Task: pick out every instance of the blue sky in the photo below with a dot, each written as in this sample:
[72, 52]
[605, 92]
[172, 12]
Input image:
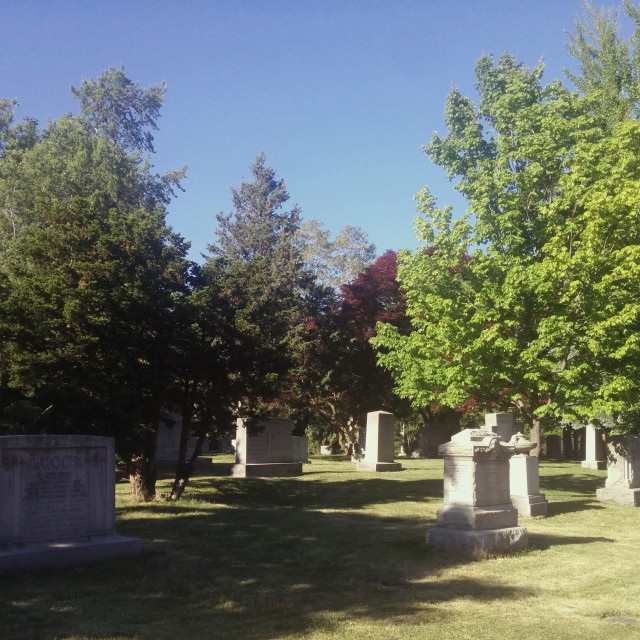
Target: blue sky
[340, 95]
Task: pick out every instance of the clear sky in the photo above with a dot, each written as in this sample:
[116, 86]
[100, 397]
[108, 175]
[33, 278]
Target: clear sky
[339, 94]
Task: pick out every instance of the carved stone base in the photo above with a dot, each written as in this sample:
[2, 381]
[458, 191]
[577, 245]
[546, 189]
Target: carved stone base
[468, 517]
[267, 470]
[363, 465]
[533, 506]
[56, 555]
[629, 497]
[478, 543]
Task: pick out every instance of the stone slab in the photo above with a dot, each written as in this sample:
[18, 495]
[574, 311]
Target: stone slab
[478, 542]
[621, 495]
[379, 437]
[599, 465]
[467, 517]
[532, 506]
[56, 555]
[267, 470]
[365, 465]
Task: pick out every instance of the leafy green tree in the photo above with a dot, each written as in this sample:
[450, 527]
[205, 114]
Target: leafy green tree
[89, 271]
[336, 262]
[473, 309]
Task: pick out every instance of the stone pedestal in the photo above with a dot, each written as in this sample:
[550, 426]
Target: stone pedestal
[623, 465]
[379, 455]
[594, 449]
[266, 453]
[57, 502]
[477, 516]
[524, 481]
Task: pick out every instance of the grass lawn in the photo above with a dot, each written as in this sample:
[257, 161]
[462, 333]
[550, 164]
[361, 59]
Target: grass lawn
[341, 554]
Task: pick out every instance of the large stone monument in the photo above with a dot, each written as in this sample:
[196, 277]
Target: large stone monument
[524, 473]
[623, 465]
[57, 502]
[266, 453]
[379, 454]
[595, 456]
[477, 516]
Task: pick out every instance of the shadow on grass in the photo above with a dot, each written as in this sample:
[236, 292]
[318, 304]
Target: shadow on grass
[545, 541]
[579, 484]
[555, 508]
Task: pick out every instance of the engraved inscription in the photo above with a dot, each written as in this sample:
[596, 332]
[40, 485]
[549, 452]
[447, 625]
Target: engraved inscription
[54, 495]
[459, 481]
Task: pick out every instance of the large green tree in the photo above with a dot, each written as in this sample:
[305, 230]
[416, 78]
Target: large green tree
[89, 272]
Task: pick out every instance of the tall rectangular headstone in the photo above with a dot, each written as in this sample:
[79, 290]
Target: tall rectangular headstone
[57, 502]
[379, 448]
[594, 449]
[623, 471]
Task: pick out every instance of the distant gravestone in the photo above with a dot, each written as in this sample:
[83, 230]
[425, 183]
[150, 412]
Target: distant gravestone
[502, 424]
[168, 440]
[266, 453]
[379, 451]
[57, 502]
[553, 447]
[477, 515]
[623, 466]
[594, 449]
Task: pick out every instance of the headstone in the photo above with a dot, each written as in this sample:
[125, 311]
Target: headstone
[57, 502]
[524, 480]
[594, 449]
[168, 440]
[379, 453]
[502, 424]
[623, 466]
[477, 516]
[524, 477]
[268, 453]
[553, 447]
[300, 449]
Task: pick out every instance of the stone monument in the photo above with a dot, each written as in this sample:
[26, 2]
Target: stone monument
[477, 516]
[594, 449]
[57, 502]
[524, 474]
[266, 453]
[623, 466]
[379, 454]
[524, 480]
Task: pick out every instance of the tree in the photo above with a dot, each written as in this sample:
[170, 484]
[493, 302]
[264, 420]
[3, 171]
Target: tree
[89, 274]
[265, 282]
[473, 311]
[336, 262]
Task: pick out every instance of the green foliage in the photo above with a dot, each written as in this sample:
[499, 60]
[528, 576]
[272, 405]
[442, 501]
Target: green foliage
[338, 262]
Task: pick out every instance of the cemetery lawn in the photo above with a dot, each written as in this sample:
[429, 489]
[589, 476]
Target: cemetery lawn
[338, 553]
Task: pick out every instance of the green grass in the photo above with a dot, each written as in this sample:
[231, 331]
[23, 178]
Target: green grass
[340, 554]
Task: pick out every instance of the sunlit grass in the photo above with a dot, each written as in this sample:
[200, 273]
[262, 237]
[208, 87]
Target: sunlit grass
[338, 553]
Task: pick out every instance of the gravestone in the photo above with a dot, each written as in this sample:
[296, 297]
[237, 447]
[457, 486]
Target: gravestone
[524, 475]
[266, 453]
[300, 449]
[168, 440]
[57, 502]
[524, 480]
[477, 515]
[502, 424]
[595, 456]
[623, 466]
[379, 453]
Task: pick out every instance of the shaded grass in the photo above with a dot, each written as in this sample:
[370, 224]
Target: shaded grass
[337, 553]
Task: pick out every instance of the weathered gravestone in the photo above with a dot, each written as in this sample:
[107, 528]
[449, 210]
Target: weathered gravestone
[266, 453]
[594, 449]
[57, 502]
[623, 466]
[477, 515]
[524, 474]
[379, 454]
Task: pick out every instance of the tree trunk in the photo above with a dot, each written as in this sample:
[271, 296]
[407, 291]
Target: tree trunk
[142, 476]
[567, 443]
[184, 471]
